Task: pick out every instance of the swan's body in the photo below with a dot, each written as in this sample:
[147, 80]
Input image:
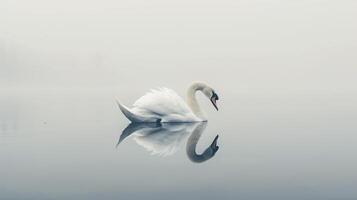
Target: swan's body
[164, 105]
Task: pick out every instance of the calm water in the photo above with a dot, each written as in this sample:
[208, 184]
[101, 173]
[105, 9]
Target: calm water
[64, 145]
[285, 73]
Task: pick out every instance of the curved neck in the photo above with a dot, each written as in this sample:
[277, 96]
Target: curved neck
[192, 101]
[192, 143]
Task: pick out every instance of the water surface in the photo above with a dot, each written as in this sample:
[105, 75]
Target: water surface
[64, 145]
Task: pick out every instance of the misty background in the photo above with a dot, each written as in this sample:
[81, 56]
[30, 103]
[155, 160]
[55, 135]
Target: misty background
[284, 71]
[256, 46]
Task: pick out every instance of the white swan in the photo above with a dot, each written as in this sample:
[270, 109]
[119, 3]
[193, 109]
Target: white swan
[164, 105]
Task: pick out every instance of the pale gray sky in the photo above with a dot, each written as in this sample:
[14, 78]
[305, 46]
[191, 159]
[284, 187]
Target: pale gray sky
[255, 44]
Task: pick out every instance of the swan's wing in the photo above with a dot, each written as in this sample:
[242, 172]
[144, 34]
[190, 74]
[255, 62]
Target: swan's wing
[134, 115]
[162, 102]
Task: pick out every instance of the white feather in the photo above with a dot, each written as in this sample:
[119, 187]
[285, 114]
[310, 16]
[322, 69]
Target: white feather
[164, 105]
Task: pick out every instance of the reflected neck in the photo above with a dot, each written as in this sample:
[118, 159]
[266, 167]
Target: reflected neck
[192, 143]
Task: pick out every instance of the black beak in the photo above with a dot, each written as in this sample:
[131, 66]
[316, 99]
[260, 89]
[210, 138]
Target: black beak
[214, 103]
[214, 98]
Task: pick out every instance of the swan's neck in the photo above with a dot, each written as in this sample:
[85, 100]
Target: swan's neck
[192, 101]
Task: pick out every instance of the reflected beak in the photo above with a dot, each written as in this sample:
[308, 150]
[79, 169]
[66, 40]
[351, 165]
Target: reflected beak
[213, 100]
[214, 145]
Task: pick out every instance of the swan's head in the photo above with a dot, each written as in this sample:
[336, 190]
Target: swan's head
[212, 95]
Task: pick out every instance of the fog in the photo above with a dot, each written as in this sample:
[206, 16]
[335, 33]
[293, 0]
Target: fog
[263, 46]
[285, 73]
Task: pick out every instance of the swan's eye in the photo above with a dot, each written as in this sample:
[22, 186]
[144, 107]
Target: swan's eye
[214, 96]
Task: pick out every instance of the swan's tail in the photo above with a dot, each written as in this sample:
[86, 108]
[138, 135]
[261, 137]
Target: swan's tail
[128, 113]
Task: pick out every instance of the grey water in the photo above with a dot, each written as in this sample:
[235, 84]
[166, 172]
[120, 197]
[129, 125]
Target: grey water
[64, 145]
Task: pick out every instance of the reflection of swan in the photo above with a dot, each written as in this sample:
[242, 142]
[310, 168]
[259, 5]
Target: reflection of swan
[160, 139]
[192, 142]
[164, 105]
[165, 139]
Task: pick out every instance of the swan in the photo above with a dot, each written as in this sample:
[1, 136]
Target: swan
[165, 105]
